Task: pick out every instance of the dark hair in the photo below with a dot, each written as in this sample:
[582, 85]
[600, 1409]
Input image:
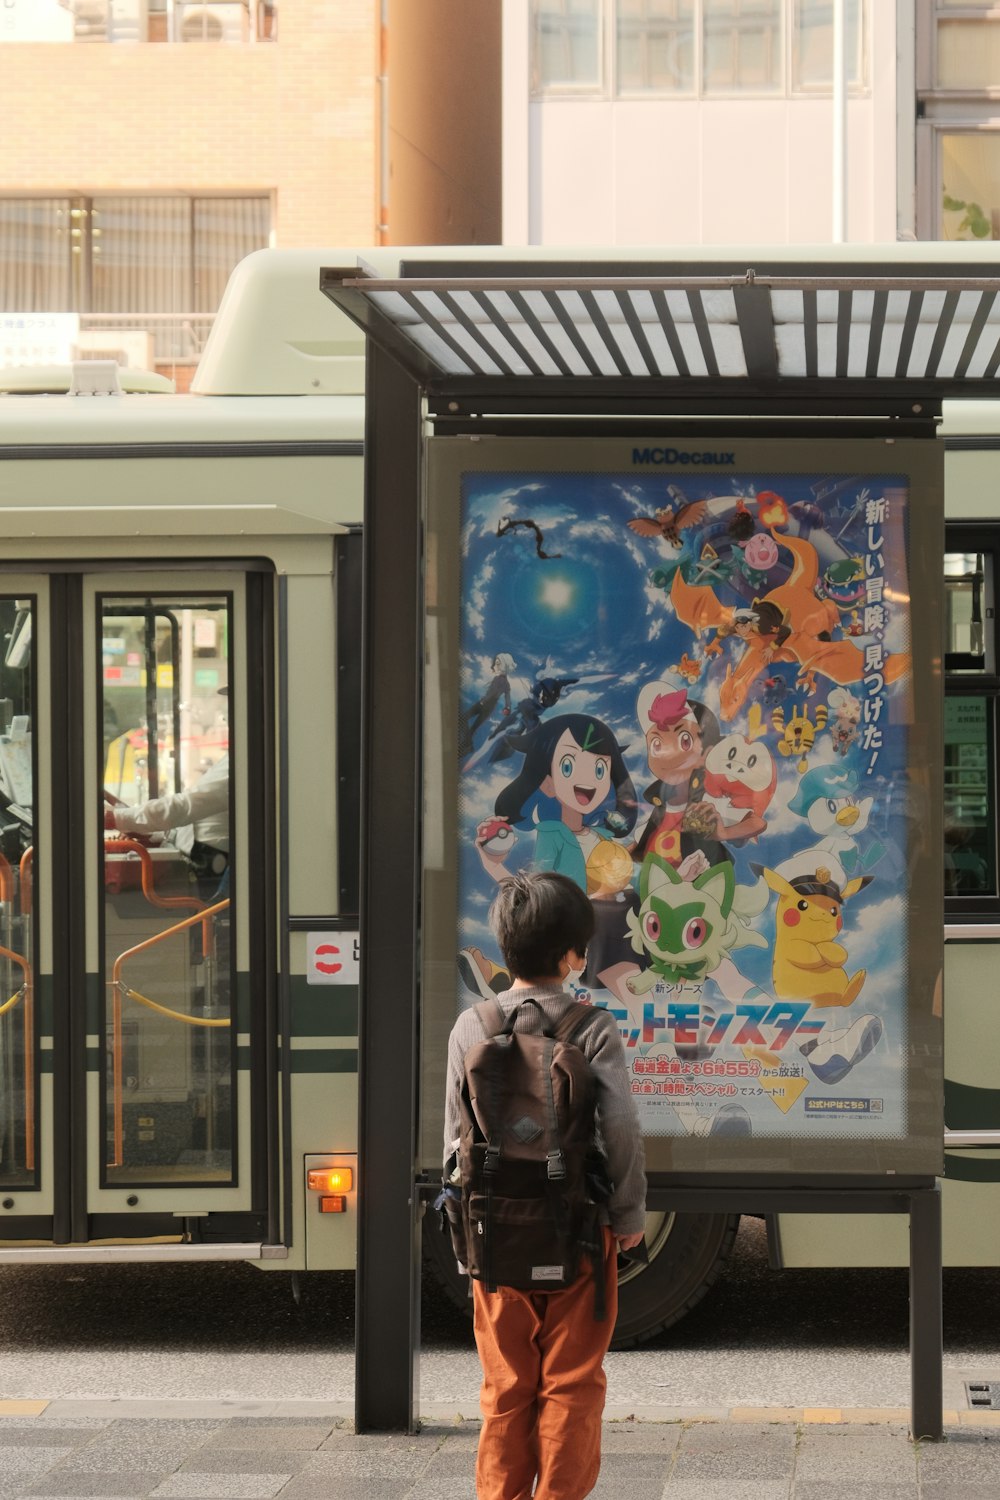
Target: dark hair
[537, 919]
[707, 723]
[539, 747]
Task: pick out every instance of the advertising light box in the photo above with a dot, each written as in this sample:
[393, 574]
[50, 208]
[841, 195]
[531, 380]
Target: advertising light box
[700, 677]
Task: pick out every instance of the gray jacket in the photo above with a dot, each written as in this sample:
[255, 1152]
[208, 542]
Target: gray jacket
[617, 1117]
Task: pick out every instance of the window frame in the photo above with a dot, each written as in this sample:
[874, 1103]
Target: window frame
[607, 87]
[984, 537]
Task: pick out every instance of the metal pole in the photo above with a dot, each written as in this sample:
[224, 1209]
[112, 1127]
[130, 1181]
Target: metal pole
[839, 126]
[926, 1315]
[388, 1303]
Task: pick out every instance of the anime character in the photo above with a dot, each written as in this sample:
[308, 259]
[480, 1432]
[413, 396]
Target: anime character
[797, 732]
[846, 712]
[507, 523]
[844, 583]
[575, 761]
[740, 779]
[828, 799]
[543, 694]
[804, 634]
[502, 664]
[679, 732]
[687, 928]
[668, 522]
[808, 962]
[689, 667]
[756, 557]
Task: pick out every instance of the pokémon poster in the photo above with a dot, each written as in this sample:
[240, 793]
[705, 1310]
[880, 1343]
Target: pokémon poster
[691, 695]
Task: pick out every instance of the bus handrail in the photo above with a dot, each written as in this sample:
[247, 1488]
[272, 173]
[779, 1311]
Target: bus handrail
[6, 880]
[114, 845]
[206, 916]
[27, 993]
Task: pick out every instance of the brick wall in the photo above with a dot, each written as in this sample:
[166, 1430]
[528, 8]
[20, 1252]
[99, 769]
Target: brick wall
[295, 118]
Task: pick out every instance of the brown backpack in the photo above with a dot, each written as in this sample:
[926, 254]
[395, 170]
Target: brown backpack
[522, 1200]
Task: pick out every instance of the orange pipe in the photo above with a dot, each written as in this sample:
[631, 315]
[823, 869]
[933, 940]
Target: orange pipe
[152, 895]
[206, 917]
[29, 1055]
[6, 880]
[25, 866]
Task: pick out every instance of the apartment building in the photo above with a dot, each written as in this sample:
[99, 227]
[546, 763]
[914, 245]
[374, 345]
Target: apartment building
[151, 144]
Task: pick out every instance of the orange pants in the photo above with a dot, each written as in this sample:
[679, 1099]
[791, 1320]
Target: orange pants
[543, 1386]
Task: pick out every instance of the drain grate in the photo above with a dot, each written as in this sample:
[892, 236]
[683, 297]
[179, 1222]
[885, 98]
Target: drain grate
[984, 1395]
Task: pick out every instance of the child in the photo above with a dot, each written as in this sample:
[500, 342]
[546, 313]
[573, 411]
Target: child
[542, 1352]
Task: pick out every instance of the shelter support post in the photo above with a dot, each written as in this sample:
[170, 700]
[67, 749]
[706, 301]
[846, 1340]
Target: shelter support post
[388, 1300]
[926, 1315]
[920, 1198]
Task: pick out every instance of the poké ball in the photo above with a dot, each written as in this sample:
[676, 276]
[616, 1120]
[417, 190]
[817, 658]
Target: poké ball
[499, 837]
[609, 868]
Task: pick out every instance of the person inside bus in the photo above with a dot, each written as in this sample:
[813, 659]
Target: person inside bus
[196, 819]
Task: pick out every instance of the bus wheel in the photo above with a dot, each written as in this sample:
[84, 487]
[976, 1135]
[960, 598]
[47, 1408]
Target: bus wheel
[686, 1255]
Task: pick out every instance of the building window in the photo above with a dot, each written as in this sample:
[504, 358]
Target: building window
[692, 48]
[232, 21]
[969, 206]
[966, 45]
[131, 262]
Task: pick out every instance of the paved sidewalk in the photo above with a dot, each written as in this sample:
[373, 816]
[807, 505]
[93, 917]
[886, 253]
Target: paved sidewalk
[187, 1450]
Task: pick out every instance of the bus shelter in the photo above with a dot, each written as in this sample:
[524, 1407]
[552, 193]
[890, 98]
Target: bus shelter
[653, 595]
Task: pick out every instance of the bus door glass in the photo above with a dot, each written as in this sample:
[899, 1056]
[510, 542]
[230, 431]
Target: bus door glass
[19, 1052]
[168, 906]
[969, 729]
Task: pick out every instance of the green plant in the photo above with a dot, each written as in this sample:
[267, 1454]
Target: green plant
[975, 221]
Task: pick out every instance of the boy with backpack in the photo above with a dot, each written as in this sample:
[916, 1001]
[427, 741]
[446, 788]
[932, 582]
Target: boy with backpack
[544, 1184]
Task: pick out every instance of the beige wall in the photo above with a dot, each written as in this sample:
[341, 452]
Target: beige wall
[295, 118]
[444, 122]
[718, 172]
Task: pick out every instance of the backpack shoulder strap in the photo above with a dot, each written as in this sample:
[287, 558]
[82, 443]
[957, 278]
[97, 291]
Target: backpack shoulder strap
[572, 1020]
[491, 1017]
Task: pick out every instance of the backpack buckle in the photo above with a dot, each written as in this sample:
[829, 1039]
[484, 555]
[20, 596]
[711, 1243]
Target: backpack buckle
[555, 1165]
[491, 1161]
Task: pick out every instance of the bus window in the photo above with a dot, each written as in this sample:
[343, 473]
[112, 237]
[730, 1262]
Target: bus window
[167, 912]
[972, 884]
[968, 578]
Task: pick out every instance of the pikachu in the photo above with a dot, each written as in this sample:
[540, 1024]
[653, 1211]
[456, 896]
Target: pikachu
[808, 961]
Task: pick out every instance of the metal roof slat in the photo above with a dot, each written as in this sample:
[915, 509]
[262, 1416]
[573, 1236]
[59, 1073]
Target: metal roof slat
[603, 329]
[539, 330]
[700, 320]
[638, 332]
[876, 329]
[845, 302]
[910, 322]
[573, 334]
[670, 330]
[945, 321]
[756, 320]
[810, 319]
[982, 313]
[426, 317]
[472, 329]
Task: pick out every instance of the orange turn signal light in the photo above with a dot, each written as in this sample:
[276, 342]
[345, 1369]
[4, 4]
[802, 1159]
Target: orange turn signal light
[336, 1204]
[330, 1180]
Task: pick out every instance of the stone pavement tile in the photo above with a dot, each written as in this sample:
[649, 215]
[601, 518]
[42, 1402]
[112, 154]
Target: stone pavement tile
[16, 1436]
[460, 1440]
[628, 1469]
[245, 1461]
[871, 1455]
[712, 1450]
[370, 1464]
[969, 1456]
[268, 1435]
[426, 1438]
[220, 1487]
[453, 1488]
[641, 1437]
[20, 1467]
[17, 1408]
[958, 1491]
[850, 1489]
[729, 1489]
[639, 1489]
[322, 1487]
[330, 1423]
[61, 1485]
[139, 1455]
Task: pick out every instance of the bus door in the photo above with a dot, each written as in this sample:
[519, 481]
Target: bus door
[134, 892]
